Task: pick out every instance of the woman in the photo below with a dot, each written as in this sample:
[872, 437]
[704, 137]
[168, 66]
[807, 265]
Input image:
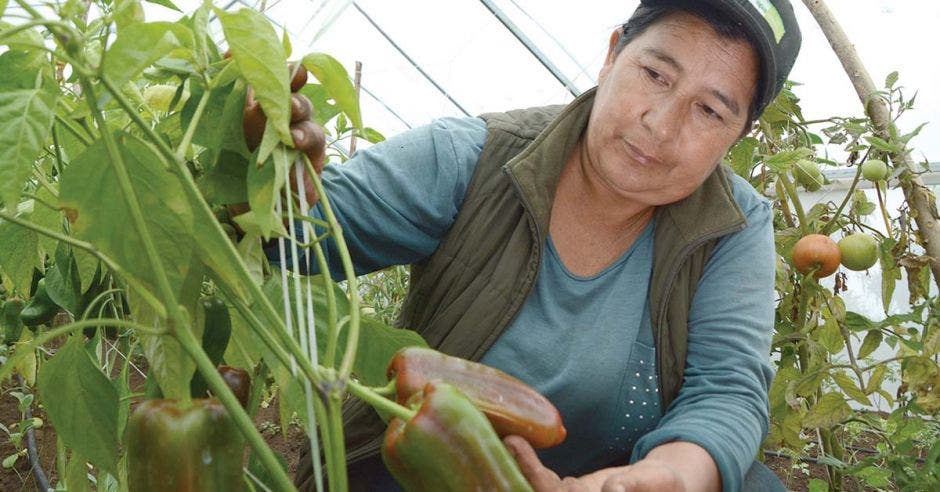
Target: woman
[598, 252]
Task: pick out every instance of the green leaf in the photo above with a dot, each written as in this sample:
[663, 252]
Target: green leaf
[828, 411]
[372, 358]
[323, 109]
[882, 145]
[857, 322]
[98, 210]
[226, 181]
[138, 46]
[165, 3]
[817, 485]
[872, 341]
[850, 387]
[335, 80]
[264, 185]
[27, 117]
[76, 474]
[257, 50]
[169, 363]
[19, 255]
[63, 282]
[741, 156]
[875, 380]
[82, 404]
[220, 127]
[830, 336]
[372, 136]
[127, 12]
[875, 476]
[21, 69]
[890, 273]
[891, 79]
[782, 161]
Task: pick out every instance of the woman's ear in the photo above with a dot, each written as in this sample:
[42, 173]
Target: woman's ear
[611, 53]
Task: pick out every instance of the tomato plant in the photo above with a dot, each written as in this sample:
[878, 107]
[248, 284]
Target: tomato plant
[834, 364]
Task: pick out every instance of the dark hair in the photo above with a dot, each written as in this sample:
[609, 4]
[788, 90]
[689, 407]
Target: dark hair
[724, 26]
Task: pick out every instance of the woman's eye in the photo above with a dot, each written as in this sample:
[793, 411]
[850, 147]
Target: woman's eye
[654, 75]
[711, 113]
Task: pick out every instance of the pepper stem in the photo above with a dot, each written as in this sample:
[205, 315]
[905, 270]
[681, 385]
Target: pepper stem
[373, 398]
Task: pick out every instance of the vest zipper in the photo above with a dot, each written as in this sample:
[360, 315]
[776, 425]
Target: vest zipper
[664, 302]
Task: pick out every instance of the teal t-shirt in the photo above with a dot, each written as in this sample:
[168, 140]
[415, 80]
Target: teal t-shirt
[586, 343]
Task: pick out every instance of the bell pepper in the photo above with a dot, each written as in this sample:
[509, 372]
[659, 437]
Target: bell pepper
[449, 445]
[217, 329]
[40, 309]
[194, 448]
[238, 381]
[512, 406]
[10, 320]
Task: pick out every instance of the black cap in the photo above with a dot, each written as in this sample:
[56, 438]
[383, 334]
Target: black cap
[771, 25]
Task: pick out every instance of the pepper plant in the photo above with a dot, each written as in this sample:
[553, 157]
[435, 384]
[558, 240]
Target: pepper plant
[120, 144]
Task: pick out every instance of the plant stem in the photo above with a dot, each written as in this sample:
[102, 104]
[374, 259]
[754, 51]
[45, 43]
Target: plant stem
[352, 340]
[884, 211]
[374, 399]
[338, 479]
[70, 126]
[191, 129]
[795, 198]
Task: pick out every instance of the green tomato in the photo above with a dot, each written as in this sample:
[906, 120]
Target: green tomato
[875, 170]
[808, 175]
[859, 251]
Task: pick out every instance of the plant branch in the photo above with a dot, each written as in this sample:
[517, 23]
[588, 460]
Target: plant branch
[191, 129]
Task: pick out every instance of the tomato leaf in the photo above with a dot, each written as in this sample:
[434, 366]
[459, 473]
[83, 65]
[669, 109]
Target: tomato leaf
[27, 117]
[828, 411]
[336, 81]
[82, 404]
[850, 387]
[257, 50]
[872, 341]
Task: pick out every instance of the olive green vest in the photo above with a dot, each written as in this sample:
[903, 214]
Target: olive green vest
[463, 296]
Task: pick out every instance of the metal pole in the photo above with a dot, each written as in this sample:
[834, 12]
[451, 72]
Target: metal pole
[504, 19]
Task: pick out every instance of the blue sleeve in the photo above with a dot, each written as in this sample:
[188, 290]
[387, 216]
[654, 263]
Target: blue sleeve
[723, 404]
[397, 199]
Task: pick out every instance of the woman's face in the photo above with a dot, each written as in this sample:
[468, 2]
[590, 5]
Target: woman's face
[668, 107]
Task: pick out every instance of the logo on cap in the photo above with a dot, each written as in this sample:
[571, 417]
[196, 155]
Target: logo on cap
[770, 14]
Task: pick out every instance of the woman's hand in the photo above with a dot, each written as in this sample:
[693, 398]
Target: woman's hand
[646, 475]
